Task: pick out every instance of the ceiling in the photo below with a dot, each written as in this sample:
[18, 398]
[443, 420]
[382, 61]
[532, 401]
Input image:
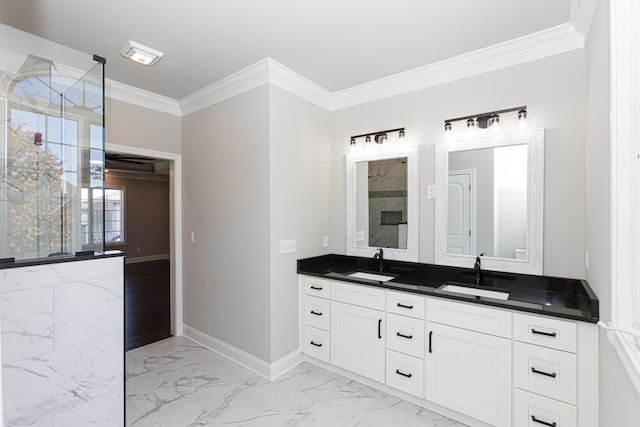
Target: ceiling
[335, 43]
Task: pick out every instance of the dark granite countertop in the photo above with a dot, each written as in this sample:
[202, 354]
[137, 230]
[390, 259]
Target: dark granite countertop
[6, 263]
[551, 296]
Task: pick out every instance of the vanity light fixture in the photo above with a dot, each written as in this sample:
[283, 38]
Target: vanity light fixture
[379, 137]
[141, 54]
[485, 120]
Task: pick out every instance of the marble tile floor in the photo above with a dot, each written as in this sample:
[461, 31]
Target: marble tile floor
[176, 382]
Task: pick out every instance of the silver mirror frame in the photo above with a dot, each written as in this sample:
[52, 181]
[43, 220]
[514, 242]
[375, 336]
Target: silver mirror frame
[413, 183]
[535, 203]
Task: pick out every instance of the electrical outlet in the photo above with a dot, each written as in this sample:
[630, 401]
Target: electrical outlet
[586, 259]
[192, 237]
[431, 191]
[325, 241]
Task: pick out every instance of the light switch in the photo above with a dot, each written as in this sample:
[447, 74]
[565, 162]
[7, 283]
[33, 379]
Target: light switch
[192, 237]
[325, 241]
[431, 191]
[287, 246]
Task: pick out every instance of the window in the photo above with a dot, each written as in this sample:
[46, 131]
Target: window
[624, 330]
[114, 216]
[91, 216]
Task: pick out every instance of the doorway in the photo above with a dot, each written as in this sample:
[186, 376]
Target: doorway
[151, 187]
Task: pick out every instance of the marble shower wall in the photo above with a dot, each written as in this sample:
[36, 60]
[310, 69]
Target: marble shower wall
[63, 344]
[387, 193]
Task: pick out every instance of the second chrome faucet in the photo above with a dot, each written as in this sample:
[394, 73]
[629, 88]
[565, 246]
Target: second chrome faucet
[379, 256]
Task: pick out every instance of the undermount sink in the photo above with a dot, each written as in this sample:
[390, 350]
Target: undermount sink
[474, 291]
[370, 276]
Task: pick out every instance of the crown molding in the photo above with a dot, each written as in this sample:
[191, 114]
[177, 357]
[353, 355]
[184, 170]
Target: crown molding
[552, 41]
[289, 80]
[233, 85]
[580, 16]
[133, 95]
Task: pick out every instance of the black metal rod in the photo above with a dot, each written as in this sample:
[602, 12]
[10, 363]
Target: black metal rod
[379, 329]
[430, 335]
[409, 337]
[399, 372]
[548, 334]
[377, 133]
[410, 307]
[473, 116]
[544, 423]
[546, 374]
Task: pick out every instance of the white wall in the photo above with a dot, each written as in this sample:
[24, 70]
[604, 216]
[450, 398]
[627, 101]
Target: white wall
[226, 204]
[299, 174]
[140, 127]
[553, 90]
[619, 401]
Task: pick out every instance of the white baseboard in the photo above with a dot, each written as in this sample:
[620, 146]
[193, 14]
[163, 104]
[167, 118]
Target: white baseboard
[134, 260]
[241, 357]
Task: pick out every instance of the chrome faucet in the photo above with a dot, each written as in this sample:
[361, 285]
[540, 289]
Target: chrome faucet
[378, 256]
[478, 270]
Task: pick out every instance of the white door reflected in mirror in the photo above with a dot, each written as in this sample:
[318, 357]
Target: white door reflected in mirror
[490, 201]
[487, 202]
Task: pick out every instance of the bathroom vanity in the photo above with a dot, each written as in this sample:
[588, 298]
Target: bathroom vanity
[528, 360]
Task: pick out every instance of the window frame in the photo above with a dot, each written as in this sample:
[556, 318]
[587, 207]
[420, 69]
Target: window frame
[625, 184]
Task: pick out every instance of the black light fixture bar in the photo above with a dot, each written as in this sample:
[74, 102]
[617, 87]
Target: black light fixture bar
[378, 133]
[482, 118]
[379, 137]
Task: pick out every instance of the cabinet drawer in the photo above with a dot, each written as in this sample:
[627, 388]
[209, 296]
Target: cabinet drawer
[470, 316]
[553, 333]
[405, 335]
[317, 343]
[406, 304]
[405, 373]
[317, 287]
[364, 296]
[544, 371]
[531, 410]
[317, 312]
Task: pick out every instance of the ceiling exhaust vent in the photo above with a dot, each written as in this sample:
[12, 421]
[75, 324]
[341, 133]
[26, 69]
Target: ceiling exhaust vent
[141, 54]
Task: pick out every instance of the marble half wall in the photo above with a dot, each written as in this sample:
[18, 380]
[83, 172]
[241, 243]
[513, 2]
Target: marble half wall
[62, 332]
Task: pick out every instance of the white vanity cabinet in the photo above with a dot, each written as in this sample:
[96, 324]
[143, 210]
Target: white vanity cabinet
[472, 362]
[468, 360]
[358, 331]
[316, 312]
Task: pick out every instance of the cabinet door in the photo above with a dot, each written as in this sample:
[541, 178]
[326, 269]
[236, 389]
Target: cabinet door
[358, 340]
[469, 372]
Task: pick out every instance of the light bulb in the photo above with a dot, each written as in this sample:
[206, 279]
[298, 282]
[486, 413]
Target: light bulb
[522, 120]
[472, 128]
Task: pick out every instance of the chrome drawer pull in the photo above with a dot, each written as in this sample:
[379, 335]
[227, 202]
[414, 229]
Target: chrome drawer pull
[410, 307]
[409, 337]
[316, 313]
[547, 374]
[315, 288]
[316, 344]
[544, 423]
[399, 372]
[546, 334]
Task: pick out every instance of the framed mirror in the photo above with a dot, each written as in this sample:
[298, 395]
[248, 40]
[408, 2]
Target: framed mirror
[382, 203]
[489, 202]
